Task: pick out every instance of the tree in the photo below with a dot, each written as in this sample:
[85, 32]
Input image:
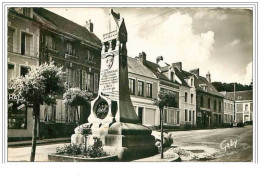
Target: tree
[74, 97]
[166, 98]
[39, 86]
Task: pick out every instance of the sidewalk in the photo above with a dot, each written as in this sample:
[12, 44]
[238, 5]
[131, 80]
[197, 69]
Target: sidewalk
[44, 141]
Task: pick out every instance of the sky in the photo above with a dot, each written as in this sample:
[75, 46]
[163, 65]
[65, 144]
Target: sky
[216, 40]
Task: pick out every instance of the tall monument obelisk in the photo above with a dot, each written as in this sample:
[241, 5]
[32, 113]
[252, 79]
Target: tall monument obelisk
[113, 118]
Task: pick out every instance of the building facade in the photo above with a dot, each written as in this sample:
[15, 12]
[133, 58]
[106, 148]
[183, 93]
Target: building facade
[164, 73]
[37, 36]
[209, 102]
[143, 87]
[23, 53]
[228, 109]
[243, 105]
[77, 49]
[187, 99]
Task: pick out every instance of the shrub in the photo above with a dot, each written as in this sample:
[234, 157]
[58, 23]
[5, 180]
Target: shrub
[79, 150]
[71, 149]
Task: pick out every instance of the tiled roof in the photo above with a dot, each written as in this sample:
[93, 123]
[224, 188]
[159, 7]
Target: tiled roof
[137, 67]
[240, 95]
[54, 21]
[203, 81]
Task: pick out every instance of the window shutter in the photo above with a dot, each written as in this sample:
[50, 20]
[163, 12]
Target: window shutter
[95, 83]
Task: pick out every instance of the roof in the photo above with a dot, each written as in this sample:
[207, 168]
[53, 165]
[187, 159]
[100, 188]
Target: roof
[137, 67]
[157, 70]
[240, 95]
[54, 21]
[203, 81]
[181, 76]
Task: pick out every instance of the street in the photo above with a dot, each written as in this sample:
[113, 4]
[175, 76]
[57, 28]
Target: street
[238, 142]
[232, 144]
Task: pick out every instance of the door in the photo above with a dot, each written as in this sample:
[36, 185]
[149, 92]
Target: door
[140, 114]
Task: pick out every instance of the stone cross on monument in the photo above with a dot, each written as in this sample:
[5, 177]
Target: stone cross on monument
[113, 118]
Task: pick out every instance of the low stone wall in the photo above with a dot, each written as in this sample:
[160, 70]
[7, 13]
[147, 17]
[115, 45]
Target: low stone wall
[63, 158]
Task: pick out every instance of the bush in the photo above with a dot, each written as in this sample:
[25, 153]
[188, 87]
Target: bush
[79, 150]
[71, 149]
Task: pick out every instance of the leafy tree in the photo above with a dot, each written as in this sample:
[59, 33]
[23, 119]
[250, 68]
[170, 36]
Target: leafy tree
[166, 98]
[39, 86]
[229, 87]
[74, 97]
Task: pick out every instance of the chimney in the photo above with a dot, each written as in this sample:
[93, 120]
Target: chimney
[158, 59]
[89, 25]
[196, 72]
[142, 57]
[178, 65]
[208, 77]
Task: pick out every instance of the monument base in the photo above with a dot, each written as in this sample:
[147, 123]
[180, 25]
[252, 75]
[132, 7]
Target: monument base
[127, 141]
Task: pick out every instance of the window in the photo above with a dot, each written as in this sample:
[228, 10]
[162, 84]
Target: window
[24, 71]
[17, 115]
[140, 88]
[172, 76]
[186, 97]
[165, 115]
[219, 106]
[132, 86]
[26, 41]
[201, 101]
[215, 105]
[70, 77]
[77, 78]
[89, 55]
[10, 73]
[89, 83]
[190, 115]
[27, 12]
[209, 103]
[191, 98]
[246, 107]
[70, 49]
[191, 82]
[149, 90]
[10, 39]
[49, 42]
[186, 115]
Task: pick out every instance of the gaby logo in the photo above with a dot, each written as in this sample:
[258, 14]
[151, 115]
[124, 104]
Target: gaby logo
[228, 144]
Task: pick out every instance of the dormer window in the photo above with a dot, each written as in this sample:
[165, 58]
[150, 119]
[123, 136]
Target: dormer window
[27, 12]
[204, 87]
[191, 82]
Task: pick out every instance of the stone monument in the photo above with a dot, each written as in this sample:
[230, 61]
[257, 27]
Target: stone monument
[113, 118]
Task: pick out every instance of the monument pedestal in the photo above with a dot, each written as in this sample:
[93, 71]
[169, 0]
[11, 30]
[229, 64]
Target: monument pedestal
[113, 118]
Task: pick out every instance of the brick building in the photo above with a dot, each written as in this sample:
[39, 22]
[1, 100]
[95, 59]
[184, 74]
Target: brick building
[78, 50]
